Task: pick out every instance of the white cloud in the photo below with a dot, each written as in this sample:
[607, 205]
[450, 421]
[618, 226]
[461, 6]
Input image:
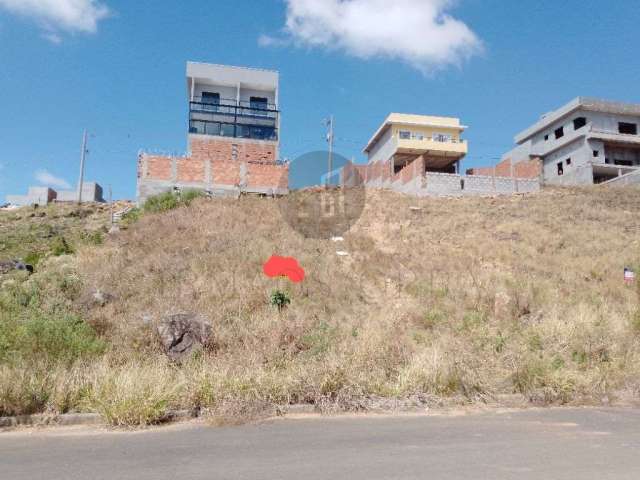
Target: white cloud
[418, 32]
[55, 16]
[269, 41]
[53, 37]
[50, 180]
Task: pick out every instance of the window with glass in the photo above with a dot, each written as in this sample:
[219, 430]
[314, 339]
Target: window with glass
[210, 101]
[442, 137]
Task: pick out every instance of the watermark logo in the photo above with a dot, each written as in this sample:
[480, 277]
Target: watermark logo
[323, 202]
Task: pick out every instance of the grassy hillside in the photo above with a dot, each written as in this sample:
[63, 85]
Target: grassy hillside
[461, 300]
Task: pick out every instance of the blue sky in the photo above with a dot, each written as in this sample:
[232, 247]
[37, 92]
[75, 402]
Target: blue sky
[117, 68]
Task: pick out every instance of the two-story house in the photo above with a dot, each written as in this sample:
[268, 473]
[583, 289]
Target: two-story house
[403, 139]
[233, 136]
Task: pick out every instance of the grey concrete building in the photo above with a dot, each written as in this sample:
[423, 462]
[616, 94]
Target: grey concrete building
[91, 192]
[586, 141]
[34, 196]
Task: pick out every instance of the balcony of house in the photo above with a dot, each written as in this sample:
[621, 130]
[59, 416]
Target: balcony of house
[232, 118]
[435, 145]
[627, 134]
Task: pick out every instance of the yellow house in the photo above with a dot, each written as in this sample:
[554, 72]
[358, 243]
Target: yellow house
[403, 138]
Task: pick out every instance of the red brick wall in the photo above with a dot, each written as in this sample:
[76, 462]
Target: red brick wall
[158, 167]
[226, 157]
[227, 149]
[267, 175]
[529, 169]
[191, 170]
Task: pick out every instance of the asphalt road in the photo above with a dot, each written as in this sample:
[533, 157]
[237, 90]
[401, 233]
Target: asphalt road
[571, 444]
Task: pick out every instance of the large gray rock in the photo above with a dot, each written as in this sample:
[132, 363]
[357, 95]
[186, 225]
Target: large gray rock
[183, 333]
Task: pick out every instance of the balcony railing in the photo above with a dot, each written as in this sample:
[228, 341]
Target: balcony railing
[228, 118]
[434, 138]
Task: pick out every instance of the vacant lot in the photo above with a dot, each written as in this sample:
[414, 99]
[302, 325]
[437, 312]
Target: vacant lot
[455, 301]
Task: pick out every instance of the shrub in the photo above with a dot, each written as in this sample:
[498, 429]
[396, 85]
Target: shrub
[60, 246]
[95, 237]
[131, 216]
[161, 202]
[189, 195]
[280, 299]
[41, 337]
[135, 393]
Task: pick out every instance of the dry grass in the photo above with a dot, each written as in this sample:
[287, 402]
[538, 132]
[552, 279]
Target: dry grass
[465, 299]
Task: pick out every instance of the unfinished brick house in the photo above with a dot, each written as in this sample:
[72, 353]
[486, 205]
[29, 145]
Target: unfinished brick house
[233, 137]
[420, 155]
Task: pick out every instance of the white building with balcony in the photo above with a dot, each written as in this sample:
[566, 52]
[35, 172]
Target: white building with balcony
[233, 102]
[586, 141]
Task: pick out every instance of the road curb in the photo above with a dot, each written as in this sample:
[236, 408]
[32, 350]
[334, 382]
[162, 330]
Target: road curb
[67, 419]
[75, 419]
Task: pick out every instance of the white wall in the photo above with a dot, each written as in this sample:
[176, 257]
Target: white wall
[384, 147]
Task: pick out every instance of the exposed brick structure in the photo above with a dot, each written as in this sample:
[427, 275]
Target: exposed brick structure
[221, 165]
[158, 167]
[219, 149]
[527, 169]
[191, 170]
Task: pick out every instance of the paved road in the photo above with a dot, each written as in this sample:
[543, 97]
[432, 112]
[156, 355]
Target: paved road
[571, 444]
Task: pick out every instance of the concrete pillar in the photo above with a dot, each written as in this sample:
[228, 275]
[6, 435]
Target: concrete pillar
[174, 169]
[243, 175]
[207, 173]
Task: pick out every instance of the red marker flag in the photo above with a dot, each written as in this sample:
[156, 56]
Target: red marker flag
[284, 267]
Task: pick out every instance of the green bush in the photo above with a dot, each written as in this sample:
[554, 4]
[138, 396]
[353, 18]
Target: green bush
[280, 299]
[170, 200]
[95, 237]
[60, 246]
[36, 336]
[131, 216]
[161, 202]
[188, 196]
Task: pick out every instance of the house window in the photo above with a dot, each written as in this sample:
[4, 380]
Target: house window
[404, 135]
[628, 128]
[546, 137]
[596, 153]
[560, 168]
[568, 161]
[258, 103]
[211, 98]
[442, 137]
[559, 132]
[579, 122]
[623, 163]
[210, 101]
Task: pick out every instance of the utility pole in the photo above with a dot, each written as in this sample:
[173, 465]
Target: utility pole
[110, 206]
[330, 138]
[83, 156]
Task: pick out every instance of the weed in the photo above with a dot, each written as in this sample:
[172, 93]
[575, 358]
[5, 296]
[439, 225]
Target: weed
[60, 246]
[280, 299]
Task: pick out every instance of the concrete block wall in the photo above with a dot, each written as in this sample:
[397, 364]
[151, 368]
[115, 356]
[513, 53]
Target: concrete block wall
[442, 184]
[411, 180]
